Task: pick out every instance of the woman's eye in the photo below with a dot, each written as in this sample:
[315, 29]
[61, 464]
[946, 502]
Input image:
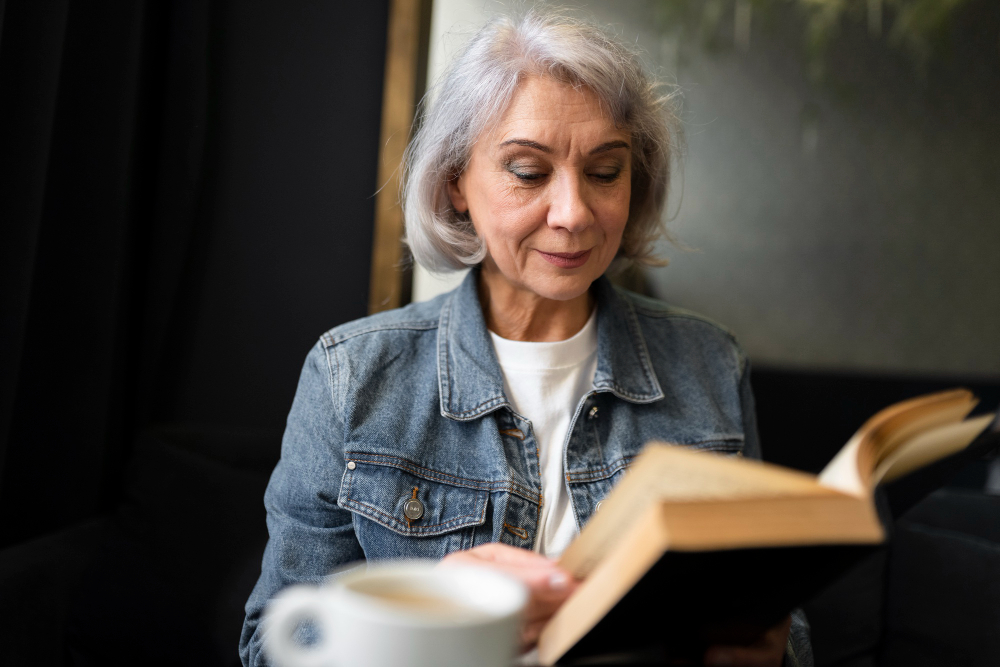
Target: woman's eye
[524, 170]
[527, 174]
[606, 175]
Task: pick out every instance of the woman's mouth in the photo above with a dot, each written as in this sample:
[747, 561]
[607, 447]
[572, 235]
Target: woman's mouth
[566, 260]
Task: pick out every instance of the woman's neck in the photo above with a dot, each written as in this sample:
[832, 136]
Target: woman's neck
[517, 314]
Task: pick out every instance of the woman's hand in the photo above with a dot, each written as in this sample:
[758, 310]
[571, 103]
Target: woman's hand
[548, 584]
[767, 651]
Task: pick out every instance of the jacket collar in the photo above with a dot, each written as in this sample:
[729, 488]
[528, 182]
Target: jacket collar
[470, 381]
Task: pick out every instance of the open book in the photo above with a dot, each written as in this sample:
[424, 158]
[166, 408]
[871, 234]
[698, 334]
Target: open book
[691, 540]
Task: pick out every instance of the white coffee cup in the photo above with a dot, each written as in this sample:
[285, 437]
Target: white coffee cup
[407, 614]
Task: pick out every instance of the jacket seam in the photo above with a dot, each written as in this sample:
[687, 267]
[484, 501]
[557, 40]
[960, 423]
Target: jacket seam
[728, 438]
[392, 519]
[676, 315]
[333, 370]
[615, 389]
[444, 373]
[434, 475]
[606, 470]
[499, 401]
[444, 378]
[592, 474]
[647, 364]
[331, 340]
[670, 312]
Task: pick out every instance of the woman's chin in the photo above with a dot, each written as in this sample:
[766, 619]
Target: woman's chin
[545, 280]
[562, 287]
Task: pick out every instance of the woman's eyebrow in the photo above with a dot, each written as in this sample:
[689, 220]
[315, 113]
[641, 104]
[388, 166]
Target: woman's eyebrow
[603, 148]
[527, 142]
[609, 146]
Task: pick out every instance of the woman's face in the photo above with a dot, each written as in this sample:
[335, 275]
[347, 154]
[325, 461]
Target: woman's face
[548, 190]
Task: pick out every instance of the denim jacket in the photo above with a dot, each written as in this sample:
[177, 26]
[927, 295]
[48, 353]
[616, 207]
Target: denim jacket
[409, 404]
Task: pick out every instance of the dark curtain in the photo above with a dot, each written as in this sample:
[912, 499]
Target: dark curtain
[186, 203]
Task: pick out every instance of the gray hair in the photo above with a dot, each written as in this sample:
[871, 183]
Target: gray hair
[476, 91]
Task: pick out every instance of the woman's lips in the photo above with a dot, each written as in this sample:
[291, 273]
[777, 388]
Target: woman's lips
[566, 260]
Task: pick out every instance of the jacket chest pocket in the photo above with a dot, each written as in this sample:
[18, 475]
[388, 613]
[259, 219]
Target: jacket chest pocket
[400, 514]
[731, 446]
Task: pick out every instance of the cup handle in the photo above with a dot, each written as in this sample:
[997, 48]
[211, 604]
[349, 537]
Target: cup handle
[285, 613]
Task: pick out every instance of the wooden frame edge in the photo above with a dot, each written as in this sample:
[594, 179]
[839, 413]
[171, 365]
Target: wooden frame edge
[405, 63]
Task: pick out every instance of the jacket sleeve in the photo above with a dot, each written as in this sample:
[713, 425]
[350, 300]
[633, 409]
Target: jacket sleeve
[309, 534]
[751, 441]
[798, 653]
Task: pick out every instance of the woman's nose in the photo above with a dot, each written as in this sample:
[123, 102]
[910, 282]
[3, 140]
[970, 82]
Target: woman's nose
[568, 208]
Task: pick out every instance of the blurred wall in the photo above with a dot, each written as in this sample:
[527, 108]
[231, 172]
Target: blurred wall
[845, 226]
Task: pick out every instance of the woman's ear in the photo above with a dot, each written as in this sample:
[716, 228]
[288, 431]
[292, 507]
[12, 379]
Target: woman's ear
[457, 195]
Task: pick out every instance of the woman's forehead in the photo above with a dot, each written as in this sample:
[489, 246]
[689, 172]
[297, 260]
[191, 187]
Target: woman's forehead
[543, 107]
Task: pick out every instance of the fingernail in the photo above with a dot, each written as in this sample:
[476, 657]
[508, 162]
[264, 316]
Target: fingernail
[558, 581]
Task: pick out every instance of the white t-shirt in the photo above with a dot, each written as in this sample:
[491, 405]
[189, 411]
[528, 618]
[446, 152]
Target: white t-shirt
[544, 383]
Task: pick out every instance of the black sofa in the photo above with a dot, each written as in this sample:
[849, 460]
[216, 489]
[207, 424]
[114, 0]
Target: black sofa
[162, 580]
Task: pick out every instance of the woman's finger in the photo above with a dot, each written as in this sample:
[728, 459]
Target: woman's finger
[548, 584]
[544, 578]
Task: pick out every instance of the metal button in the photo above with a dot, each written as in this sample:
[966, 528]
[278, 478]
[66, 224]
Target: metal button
[598, 508]
[593, 413]
[413, 509]
[351, 465]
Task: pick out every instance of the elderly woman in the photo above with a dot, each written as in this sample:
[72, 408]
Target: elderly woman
[489, 423]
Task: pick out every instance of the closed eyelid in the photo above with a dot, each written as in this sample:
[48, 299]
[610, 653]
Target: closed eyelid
[516, 164]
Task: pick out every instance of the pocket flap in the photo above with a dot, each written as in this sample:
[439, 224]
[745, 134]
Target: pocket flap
[380, 491]
[729, 445]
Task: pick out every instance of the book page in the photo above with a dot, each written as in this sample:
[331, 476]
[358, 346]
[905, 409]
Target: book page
[842, 473]
[929, 447]
[672, 473]
[683, 474]
[851, 470]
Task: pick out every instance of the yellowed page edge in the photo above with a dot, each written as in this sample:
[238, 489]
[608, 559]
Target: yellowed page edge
[772, 522]
[632, 556]
[664, 472]
[929, 447]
